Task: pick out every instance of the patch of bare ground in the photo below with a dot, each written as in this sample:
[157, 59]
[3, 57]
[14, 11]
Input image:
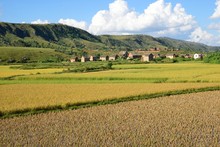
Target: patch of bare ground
[182, 120]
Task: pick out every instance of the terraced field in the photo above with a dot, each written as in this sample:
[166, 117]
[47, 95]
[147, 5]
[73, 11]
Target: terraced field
[183, 120]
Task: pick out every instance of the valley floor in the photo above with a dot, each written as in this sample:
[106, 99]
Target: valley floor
[181, 120]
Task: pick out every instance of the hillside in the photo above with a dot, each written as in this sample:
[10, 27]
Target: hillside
[54, 36]
[33, 55]
[65, 39]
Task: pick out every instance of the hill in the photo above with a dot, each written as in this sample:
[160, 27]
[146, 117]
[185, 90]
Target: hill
[65, 39]
[24, 55]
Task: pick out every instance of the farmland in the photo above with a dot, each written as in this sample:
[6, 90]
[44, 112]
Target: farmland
[148, 73]
[22, 96]
[23, 89]
[183, 120]
[170, 119]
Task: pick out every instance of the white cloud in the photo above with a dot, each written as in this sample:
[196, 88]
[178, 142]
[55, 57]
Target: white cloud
[214, 26]
[74, 23]
[216, 14]
[158, 18]
[39, 21]
[202, 36]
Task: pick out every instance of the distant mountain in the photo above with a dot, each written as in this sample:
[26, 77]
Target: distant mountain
[65, 38]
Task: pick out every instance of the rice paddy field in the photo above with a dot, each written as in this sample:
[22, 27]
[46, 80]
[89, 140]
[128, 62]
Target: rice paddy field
[180, 120]
[41, 88]
[26, 96]
[176, 120]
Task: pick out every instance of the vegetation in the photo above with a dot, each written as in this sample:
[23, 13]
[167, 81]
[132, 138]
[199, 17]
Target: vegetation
[183, 120]
[30, 55]
[65, 39]
[213, 58]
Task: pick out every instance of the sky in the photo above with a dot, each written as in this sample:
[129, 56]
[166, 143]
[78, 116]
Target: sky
[191, 20]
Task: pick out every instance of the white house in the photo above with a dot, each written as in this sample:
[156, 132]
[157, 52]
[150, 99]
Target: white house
[197, 56]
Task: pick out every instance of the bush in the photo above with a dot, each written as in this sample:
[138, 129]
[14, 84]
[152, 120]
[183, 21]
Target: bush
[213, 58]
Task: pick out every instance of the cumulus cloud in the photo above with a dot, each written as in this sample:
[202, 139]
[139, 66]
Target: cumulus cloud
[39, 21]
[202, 36]
[74, 23]
[216, 14]
[158, 18]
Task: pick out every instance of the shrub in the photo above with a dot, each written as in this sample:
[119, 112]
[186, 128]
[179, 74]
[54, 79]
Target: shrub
[213, 58]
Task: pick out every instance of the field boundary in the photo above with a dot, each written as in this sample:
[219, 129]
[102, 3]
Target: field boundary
[74, 106]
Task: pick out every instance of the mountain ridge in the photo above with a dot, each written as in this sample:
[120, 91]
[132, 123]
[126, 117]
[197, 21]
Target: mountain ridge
[64, 38]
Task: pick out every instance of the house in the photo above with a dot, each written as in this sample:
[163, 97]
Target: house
[104, 58]
[171, 56]
[84, 59]
[147, 58]
[198, 56]
[154, 49]
[93, 58]
[188, 56]
[74, 59]
[134, 56]
[123, 54]
[113, 57]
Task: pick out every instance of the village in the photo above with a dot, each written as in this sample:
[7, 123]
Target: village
[143, 56]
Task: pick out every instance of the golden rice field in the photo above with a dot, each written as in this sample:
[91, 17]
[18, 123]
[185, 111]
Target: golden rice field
[179, 73]
[33, 90]
[183, 120]
[21, 96]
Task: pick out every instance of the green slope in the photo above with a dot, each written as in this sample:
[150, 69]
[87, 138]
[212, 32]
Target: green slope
[30, 55]
[65, 38]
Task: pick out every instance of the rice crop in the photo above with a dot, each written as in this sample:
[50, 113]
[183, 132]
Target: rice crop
[148, 73]
[22, 96]
[183, 120]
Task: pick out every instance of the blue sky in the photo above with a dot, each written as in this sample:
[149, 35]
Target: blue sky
[197, 21]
